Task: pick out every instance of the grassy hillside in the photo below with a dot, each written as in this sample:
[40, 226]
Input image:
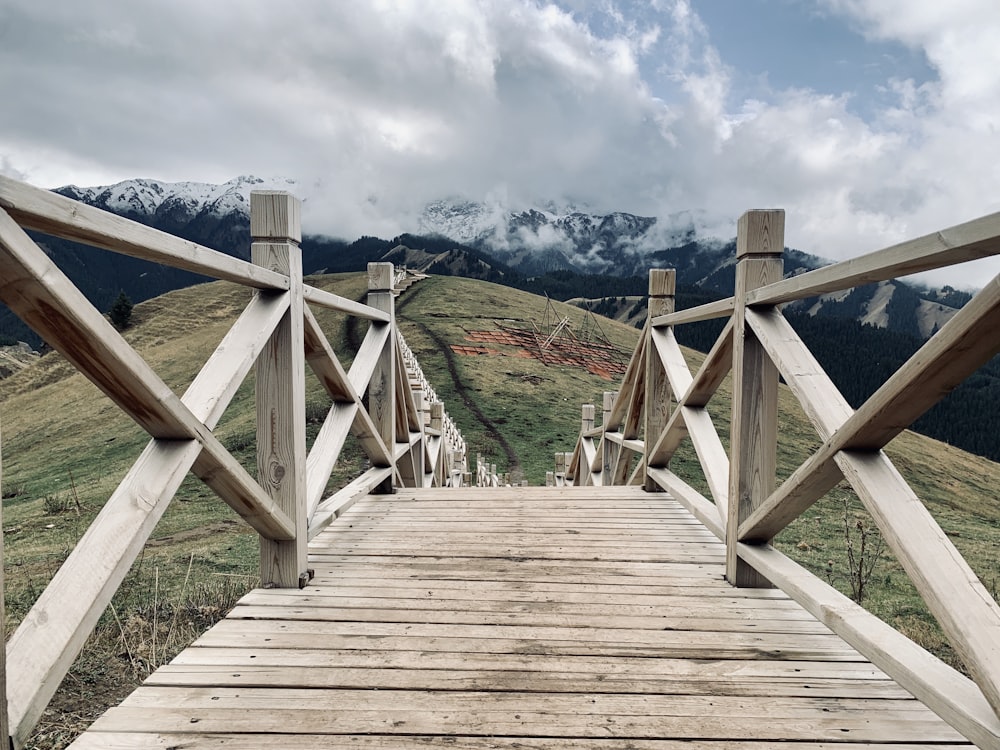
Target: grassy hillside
[65, 447]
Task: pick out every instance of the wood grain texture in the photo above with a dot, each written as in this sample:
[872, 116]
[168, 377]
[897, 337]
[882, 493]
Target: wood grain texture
[720, 309]
[958, 600]
[496, 618]
[657, 398]
[280, 389]
[754, 425]
[380, 362]
[979, 238]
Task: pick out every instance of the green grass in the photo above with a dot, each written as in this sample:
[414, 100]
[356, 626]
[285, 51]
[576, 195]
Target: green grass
[66, 447]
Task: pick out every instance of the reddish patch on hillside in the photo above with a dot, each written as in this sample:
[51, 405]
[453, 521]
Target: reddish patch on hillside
[597, 358]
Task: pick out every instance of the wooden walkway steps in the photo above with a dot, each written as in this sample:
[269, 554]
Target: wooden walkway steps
[578, 618]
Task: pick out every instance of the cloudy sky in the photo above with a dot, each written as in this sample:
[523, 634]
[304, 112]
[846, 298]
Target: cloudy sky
[869, 121]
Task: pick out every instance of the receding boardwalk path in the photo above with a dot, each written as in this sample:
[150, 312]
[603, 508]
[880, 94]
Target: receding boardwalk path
[582, 618]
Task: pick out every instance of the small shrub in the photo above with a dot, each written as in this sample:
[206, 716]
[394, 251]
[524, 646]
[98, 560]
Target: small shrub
[53, 505]
[864, 550]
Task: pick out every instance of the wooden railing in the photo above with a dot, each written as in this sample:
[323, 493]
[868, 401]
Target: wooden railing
[661, 403]
[382, 399]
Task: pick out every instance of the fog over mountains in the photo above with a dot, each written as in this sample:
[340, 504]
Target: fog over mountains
[553, 237]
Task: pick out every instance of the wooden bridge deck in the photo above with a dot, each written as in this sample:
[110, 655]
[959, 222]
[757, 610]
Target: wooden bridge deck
[522, 618]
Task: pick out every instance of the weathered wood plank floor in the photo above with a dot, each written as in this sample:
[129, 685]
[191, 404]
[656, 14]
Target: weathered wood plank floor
[523, 618]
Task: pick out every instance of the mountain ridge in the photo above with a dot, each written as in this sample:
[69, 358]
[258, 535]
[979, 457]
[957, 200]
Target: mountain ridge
[491, 243]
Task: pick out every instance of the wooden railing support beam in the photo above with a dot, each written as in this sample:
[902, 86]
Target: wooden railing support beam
[382, 386]
[754, 433]
[662, 285]
[275, 230]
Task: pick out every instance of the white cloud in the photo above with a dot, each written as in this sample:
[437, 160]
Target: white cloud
[380, 107]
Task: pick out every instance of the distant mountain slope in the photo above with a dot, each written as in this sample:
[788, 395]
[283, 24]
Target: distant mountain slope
[466, 238]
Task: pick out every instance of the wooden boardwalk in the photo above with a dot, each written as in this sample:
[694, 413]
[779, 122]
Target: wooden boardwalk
[583, 618]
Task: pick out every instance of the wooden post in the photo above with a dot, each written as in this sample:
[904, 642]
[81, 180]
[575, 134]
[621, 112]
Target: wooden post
[281, 402]
[382, 388]
[437, 416]
[662, 285]
[609, 450]
[587, 418]
[760, 241]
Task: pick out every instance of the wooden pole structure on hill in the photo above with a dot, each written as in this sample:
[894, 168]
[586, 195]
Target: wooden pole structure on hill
[753, 445]
[281, 402]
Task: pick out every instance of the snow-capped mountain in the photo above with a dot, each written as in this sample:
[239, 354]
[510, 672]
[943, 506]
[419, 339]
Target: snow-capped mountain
[528, 241]
[540, 239]
[143, 197]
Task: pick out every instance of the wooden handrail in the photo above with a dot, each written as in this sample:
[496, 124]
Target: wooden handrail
[56, 215]
[278, 335]
[757, 344]
[972, 240]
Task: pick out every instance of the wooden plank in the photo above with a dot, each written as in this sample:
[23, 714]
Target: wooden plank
[512, 715]
[589, 456]
[670, 605]
[696, 421]
[45, 299]
[850, 675]
[716, 365]
[402, 651]
[965, 343]
[84, 585]
[672, 359]
[456, 532]
[514, 569]
[451, 618]
[627, 392]
[720, 309]
[322, 298]
[966, 611]
[342, 500]
[367, 356]
[41, 295]
[42, 649]
[666, 444]
[56, 215]
[229, 741]
[280, 390]
[754, 425]
[324, 362]
[325, 451]
[979, 238]
[952, 696]
[696, 594]
[822, 402]
[711, 455]
[403, 539]
[291, 673]
[305, 633]
[233, 358]
[573, 703]
[700, 506]
[944, 361]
